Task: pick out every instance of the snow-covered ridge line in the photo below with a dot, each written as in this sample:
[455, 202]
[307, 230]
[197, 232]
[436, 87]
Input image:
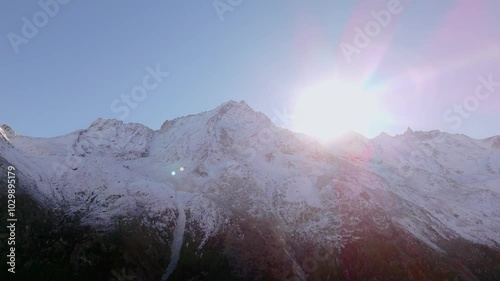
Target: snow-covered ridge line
[433, 184]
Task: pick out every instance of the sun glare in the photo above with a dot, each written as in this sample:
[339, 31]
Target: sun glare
[330, 109]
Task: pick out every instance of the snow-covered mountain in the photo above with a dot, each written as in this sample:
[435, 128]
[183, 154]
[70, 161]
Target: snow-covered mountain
[228, 194]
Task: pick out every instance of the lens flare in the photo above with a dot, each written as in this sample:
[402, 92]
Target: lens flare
[332, 108]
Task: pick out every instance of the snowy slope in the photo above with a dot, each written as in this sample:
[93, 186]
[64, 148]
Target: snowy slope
[433, 186]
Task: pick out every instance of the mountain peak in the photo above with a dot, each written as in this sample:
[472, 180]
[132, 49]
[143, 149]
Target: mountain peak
[101, 122]
[408, 131]
[237, 112]
[242, 105]
[8, 131]
[351, 136]
[232, 110]
[383, 135]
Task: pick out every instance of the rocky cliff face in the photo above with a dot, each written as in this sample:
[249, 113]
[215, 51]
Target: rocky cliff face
[226, 195]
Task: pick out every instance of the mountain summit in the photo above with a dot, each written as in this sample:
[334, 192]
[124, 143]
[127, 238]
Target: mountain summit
[227, 195]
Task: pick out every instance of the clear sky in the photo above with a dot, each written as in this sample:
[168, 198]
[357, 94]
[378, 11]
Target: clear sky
[418, 66]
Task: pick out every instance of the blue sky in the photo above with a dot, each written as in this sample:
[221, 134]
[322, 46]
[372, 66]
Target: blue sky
[427, 60]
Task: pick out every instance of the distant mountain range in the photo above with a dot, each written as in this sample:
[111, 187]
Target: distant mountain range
[227, 195]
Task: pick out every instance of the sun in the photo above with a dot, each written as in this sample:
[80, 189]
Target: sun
[332, 108]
